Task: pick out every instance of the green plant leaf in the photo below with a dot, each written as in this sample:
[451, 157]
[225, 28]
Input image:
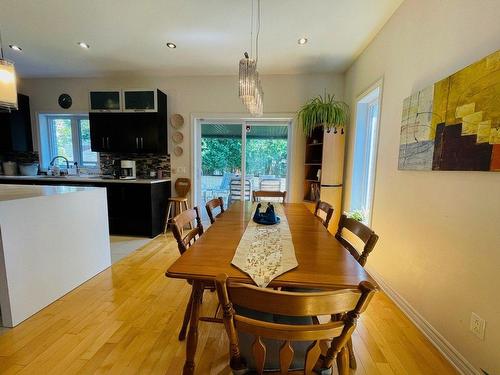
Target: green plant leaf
[323, 111]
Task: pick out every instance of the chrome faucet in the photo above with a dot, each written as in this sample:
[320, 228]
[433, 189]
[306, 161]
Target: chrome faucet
[59, 157]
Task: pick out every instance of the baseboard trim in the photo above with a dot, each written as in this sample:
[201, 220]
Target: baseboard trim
[445, 348]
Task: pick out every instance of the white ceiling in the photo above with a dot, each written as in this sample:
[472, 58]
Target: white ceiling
[129, 36]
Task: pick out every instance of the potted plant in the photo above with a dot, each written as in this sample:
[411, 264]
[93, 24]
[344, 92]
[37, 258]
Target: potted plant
[323, 111]
[357, 215]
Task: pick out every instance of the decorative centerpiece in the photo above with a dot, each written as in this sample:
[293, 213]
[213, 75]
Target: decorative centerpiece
[267, 218]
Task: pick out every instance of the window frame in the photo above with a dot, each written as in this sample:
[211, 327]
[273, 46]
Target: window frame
[369, 145]
[48, 141]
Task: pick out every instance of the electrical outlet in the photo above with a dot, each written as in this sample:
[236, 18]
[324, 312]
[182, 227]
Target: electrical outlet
[477, 325]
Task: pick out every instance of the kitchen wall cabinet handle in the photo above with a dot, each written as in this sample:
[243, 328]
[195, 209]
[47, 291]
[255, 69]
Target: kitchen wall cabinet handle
[103, 144]
[107, 140]
[137, 142]
[142, 143]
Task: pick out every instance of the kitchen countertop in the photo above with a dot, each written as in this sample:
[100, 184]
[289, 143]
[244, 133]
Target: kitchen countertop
[83, 179]
[13, 192]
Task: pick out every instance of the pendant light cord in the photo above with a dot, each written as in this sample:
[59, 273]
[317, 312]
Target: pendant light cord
[251, 32]
[258, 32]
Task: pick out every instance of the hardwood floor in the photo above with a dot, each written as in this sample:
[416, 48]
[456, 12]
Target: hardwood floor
[126, 321]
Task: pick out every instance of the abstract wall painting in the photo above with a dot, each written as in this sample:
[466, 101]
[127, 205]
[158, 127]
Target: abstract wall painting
[454, 125]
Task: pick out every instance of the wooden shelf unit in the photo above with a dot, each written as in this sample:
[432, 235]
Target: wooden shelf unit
[313, 163]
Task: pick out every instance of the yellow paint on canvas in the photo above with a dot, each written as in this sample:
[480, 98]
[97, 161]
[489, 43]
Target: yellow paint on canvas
[495, 136]
[470, 123]
[465, 110]
[478, 83]
[483, 131]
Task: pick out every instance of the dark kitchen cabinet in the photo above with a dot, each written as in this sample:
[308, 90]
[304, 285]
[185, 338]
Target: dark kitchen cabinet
[131, 132]
[15, 127]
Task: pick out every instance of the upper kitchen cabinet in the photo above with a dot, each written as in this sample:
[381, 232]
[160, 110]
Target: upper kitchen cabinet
[105, 101]
[134, 131]
[15, 127]
[140, 101]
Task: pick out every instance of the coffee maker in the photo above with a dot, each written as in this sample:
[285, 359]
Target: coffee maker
[127, 170]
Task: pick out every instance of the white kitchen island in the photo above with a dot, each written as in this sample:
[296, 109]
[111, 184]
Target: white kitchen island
[52, 239]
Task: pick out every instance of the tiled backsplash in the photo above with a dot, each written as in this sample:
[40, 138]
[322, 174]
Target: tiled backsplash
[145, 163]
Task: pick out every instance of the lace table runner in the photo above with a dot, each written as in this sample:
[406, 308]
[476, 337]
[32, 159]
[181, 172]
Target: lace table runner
[266, 251]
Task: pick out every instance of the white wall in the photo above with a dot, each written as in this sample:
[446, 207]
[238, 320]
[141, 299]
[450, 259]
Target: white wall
[192, 95]
[439, 232]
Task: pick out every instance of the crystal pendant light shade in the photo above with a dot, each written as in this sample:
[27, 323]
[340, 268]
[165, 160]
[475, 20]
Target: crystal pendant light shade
[250, 91]
[248, 72]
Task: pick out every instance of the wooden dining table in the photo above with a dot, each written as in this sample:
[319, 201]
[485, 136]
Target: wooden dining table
[323, 261]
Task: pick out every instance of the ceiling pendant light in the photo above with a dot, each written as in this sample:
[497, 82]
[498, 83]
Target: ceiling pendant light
[248, 78]
[250, 88]
[8, 82]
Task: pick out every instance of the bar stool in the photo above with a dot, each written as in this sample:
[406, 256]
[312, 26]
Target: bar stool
[179, 203]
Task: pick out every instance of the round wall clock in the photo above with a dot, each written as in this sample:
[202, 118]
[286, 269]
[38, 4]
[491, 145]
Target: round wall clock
[65, 101]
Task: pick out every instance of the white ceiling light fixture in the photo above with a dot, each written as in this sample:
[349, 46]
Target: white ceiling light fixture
[8, 82]
[15, 47]
[171, 45]
[84, 45]
[250, 88]
[302, 41]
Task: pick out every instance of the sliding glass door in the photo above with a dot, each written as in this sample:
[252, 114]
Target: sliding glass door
[266, 155]
[221, 157]
[237, 157]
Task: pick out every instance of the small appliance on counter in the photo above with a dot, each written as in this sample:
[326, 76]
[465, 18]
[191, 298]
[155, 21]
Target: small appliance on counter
[127, 170]
[9, 168]
[28, 169]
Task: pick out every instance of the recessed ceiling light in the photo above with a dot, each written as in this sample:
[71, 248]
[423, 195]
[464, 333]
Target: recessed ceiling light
[83, 45]
[302, 41]
[171, 45]
[15, 48]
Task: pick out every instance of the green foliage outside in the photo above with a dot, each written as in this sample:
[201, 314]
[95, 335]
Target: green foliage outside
[263, 156]
[64, 139]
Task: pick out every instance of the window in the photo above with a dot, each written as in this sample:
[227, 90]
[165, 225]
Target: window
[68, 136]
[365, 152]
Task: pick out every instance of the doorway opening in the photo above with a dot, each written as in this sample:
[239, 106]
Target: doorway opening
[365, 151]
[237, 157]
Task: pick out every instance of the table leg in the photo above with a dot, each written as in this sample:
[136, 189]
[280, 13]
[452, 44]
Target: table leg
[192, 338]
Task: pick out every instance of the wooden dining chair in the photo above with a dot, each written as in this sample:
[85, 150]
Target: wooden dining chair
[362, 232]
[257, 195]
[326, 209]
[186, 238]
[281, 328]
[369, 239]
[179, 223]
[213, 204]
